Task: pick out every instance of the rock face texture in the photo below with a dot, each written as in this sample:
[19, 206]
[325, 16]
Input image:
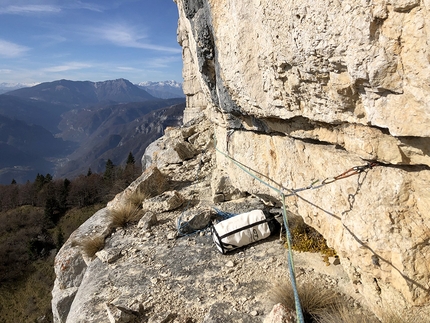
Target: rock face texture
[304, 90]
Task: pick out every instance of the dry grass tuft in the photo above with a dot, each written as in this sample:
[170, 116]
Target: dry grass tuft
[403, 317]
[315, 301]
[128, 213]
[138, 197]
[342, 314]
[91, 245]
[322, 305]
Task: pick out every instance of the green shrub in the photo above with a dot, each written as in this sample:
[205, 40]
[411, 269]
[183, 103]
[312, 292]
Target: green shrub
[304, 238]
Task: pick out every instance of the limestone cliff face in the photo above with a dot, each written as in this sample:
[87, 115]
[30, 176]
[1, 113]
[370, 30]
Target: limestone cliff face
[301, 90]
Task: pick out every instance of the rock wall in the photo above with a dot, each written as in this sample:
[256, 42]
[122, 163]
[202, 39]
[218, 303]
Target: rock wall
[305, 90]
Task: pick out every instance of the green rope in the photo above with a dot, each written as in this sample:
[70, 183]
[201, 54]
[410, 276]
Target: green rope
[299, 312]
[293, 192]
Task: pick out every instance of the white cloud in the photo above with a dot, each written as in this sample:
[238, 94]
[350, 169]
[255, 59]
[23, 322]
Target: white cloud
[67, 67]
[29, 9]
[87, 6]
[10, 50]
[125, 36]
[127, 69]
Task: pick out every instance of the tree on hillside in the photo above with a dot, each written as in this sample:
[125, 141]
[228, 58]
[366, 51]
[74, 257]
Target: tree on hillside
[26, 194]
[39, 182]
[48, 178]
[130, 159]
[64, 193]
[52, 210]
[130, 169]
[86, 190]
[109, 171]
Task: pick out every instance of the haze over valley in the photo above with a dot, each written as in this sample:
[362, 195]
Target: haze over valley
[66, 127]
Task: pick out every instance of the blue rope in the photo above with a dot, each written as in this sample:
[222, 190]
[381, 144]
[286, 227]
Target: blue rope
[291, 263]
[299, 311]
[224, 215]
[181, 225]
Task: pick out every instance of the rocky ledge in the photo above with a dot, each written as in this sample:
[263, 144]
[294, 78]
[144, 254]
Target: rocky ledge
[146, 273]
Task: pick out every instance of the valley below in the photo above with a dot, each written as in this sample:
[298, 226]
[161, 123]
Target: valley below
[66, 128]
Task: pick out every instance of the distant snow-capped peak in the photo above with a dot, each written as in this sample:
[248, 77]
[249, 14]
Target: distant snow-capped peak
[161, 83]
[17, 85]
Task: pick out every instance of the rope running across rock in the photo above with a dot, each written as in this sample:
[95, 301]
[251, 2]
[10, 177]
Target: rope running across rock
[350, 172]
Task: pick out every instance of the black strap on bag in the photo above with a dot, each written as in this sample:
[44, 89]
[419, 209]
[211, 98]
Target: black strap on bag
[272, 223]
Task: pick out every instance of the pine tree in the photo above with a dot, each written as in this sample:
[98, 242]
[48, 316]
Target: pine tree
[48, 178]
[130, 159]
[51, 209]
[109, 171]
[129, 169]
[39, 182]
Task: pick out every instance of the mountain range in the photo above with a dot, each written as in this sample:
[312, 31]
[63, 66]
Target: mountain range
[162, 90]
[7, 87]
[66, 127]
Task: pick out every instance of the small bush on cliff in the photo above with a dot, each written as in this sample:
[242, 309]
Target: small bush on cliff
[342, 314]
[307, 239]
[138, 197]
[322, 305]
[315, 300]
[391, 316]
[91, 245]
[124, 215]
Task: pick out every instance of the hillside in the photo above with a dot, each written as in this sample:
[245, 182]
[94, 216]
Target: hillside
[27, 150]
[47, 115]
[83, 93]
[91, 122]
[114, 131]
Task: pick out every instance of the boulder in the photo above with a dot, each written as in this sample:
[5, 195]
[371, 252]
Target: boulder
[148, 220]
[280, 314]
[151, 183]
[164, 202]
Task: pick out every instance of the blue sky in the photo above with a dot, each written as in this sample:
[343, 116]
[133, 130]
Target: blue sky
[95, 40]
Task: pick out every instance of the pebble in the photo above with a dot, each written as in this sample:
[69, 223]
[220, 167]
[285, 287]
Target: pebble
[229, 264]
[254, 313]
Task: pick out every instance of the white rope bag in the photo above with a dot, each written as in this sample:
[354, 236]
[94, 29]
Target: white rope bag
[243, 229]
